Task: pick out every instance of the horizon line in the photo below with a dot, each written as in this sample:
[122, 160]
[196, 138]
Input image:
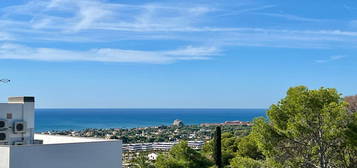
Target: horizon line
[198, 108]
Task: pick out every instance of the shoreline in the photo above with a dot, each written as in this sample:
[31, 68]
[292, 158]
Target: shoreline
[225, 123]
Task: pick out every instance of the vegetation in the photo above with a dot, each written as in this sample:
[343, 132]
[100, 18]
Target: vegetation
[307, 128]
[245, 162]
[142, 161]
[156, 134]
[352, 103]
[182, 156]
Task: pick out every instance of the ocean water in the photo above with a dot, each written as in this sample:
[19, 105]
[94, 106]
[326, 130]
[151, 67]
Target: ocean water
[75, 119]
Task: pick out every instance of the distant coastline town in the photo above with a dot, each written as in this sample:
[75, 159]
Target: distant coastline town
[227, 144]
[159, 139]
[163, 133]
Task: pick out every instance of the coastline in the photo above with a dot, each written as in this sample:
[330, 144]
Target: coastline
[79, 119]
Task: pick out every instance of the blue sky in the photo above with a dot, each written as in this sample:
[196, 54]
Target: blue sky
[174, 54]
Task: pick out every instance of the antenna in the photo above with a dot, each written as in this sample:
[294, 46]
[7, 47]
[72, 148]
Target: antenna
[5, 80]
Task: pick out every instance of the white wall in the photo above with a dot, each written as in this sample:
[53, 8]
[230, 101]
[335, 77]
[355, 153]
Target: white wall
[20, 112]
[58, 139]
[71, 155]
[4, 157]
[63, 152]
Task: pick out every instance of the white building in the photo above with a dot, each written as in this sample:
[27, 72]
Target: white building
[17, 121]
[19, 149]
[159, 146]
[152, 156]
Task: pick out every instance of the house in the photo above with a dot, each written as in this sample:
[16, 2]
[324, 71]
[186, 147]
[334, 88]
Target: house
[152, 156]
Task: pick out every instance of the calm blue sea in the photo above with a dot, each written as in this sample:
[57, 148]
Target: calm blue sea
[64, 119]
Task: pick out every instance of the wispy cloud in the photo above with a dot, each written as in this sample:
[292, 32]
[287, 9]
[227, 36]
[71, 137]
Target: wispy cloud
[95, 14]
[291, 17]
[246, 10]
[330, 59]
[75, 18]
[102, 22]
[15, 51]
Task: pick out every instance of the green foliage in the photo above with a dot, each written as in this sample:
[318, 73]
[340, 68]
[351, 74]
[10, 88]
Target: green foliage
[247, 147]
[351, 135]
[351, 132]
[229, 148]
[142, 162]
[182, 156]
[308, 128]
[229, 142]
[305, 130]
[245, 162]
[247, 154]
[168, 162]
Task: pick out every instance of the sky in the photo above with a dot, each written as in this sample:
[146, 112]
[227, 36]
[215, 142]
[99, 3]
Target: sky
[174, 54]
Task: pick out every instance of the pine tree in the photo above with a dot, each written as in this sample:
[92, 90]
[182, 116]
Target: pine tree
[307, 128]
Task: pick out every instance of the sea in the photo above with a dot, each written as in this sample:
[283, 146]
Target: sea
[77, 119]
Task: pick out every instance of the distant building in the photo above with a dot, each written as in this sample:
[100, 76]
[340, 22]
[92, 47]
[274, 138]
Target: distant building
[242, 123]
[152, 156]
[239, 123]
[178, 123]
[21, 148]
[159, 146]
[210, 124]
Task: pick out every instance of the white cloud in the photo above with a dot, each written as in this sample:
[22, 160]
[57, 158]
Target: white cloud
[89, 15]
[292, 17]
[15, 51]
[330, 59]
[238, 12]
[68, 15]
[100, 21]
[200, 10]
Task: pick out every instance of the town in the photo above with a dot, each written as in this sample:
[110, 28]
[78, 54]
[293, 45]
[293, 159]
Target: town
[153, 141]
[176, 132]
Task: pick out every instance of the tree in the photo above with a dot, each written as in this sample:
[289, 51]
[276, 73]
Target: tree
[352, 103]
[245, 162]
[182, 156]
[351, 132]
[229, 148]
[305, 129]
[217, 152]
[248, 148]
[351, 135]
[142, 161]
[247, 154]
[168, 162]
